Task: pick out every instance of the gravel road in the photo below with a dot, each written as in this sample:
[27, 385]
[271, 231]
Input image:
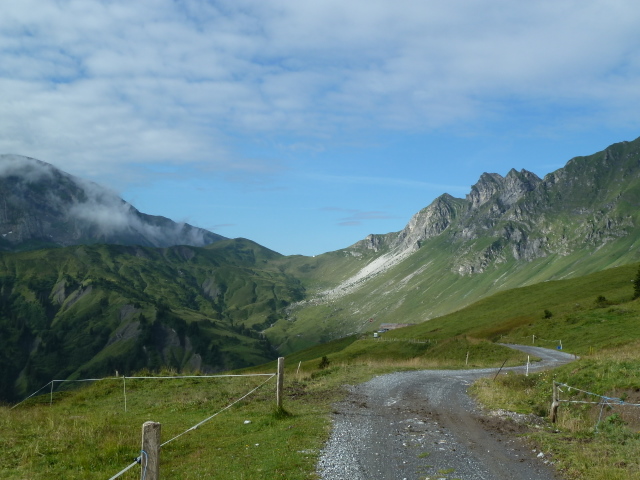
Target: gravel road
[423, 425]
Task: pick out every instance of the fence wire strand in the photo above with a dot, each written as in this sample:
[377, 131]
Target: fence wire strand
[138, 460]
[271, 375]
[121, 472]
[34, 393]
[603, 399]
[124, 378]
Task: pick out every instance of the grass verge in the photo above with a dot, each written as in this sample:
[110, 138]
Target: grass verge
[86, 434]
[590, 441]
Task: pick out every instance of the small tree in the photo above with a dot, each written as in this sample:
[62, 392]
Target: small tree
[636, 285]
[324, 363]
[547, 314]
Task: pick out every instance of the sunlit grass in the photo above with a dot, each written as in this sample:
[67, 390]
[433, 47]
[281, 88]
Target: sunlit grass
[86, 433]
[588, 441]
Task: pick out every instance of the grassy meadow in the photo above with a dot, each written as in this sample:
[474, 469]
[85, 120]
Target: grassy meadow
[86, 434]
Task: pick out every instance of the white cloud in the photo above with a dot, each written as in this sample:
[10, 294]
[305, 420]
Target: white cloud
[31, 171]
[87, 82]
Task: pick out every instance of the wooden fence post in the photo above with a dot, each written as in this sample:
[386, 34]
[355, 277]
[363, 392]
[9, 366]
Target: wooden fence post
[150, 455]
[554, 404]
[280, 383]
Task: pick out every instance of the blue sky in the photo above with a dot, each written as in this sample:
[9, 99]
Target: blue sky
[307, 125]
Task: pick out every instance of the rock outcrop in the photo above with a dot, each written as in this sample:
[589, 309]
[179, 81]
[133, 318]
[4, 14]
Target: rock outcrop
[521, 217]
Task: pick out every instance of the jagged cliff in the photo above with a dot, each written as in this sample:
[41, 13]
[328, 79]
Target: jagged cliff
[523, 217]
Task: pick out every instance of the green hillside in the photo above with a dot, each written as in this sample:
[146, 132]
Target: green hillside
[423, 287]
[91, 310]
[85, 434]
[587, 314]
[581, 219]
[593, 311]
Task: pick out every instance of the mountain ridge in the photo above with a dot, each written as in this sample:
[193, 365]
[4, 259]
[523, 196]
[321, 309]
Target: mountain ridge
[518, 200]
[507, 232]
[234, 302]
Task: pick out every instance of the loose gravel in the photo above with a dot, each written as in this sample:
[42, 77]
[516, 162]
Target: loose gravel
[423, 425]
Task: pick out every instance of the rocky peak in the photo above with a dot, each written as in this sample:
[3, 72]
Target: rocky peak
[429, 222]
[516, 184]
[508, 190]
[487, 186]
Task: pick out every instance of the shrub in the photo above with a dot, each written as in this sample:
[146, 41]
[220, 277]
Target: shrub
[636, 285]
[324, 363]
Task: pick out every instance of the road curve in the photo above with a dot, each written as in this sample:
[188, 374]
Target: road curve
[422, 424]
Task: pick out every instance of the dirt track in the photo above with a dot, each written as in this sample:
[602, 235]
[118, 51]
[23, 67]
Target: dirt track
[417, 425]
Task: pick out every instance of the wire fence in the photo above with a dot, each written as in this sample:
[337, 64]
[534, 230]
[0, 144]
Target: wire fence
[602, 400]
[123, 379]
[138, 460]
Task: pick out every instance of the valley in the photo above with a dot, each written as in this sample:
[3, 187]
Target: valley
[234, 303]
[552, 260]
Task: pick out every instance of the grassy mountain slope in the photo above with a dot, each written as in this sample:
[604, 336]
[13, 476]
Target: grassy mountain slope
[423, 287]
[90, 310]
[509, 232]
[575, 309]
[587, 314]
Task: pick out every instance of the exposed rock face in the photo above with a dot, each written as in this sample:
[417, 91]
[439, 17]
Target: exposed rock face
[43, 206]
[586, 204]
[429, 222]
[488, 185]
[516, 185]
[372, 242]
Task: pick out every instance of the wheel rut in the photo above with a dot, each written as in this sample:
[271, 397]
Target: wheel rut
[423, 425]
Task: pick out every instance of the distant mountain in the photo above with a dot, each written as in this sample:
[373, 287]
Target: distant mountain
[508, 232]
[41, 206]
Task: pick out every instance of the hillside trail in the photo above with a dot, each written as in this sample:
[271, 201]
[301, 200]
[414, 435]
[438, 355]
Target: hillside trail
[423, 425]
